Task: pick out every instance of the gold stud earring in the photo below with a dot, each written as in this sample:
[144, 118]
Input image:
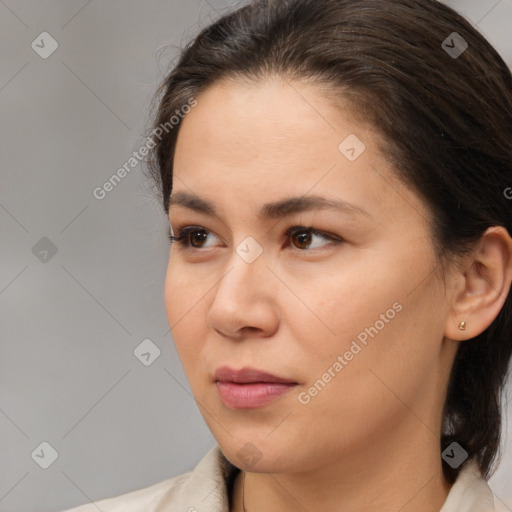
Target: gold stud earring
[462, 326]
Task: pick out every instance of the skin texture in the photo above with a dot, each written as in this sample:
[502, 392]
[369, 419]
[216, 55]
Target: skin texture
[370, 438]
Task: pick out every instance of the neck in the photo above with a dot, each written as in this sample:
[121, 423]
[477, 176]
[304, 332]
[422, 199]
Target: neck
[406, 475]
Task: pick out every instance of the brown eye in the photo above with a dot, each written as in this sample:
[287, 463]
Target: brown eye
[303, 238]
[191, 237]
[197, 238]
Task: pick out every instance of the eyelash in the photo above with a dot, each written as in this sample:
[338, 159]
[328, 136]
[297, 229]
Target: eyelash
[182, 235]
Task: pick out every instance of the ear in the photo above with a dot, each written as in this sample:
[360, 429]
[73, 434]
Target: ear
[482, 284]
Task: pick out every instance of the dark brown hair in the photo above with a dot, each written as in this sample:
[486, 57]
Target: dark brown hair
[446, 120]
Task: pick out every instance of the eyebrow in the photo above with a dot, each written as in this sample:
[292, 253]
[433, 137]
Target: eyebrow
[278, 209]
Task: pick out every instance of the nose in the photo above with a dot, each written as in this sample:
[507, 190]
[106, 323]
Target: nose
[244, 301]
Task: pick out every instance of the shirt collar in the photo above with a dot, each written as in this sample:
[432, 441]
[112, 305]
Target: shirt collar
[470, 492]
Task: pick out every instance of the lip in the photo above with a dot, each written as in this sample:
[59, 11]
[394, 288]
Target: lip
[248, 375]
[249, 388]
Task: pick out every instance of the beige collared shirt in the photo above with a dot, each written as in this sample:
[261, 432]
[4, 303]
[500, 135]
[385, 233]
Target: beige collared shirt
[207, 487]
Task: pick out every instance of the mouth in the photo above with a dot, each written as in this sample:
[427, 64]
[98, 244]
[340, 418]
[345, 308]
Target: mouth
[249, 388]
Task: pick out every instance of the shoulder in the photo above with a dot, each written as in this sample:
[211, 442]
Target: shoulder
[205, 488]
[138, 500]
[470, 492]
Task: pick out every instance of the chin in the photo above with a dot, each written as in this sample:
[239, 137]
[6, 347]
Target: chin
[256, 454]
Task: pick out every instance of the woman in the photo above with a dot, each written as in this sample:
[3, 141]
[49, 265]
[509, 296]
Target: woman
[337, 175]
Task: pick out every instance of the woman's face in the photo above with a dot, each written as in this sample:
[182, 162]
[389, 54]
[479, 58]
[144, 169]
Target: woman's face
[351, 316]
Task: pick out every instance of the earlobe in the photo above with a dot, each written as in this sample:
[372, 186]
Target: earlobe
[485, 282]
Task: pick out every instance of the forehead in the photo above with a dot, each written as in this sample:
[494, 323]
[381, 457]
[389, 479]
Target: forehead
[267, 117]
[270, 126]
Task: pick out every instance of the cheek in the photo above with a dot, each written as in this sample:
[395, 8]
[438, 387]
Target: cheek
[185, 311]
[374, 322]
[364, 393]
[341, 308]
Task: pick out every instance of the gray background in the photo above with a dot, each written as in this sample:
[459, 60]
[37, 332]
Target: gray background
[70, 321]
